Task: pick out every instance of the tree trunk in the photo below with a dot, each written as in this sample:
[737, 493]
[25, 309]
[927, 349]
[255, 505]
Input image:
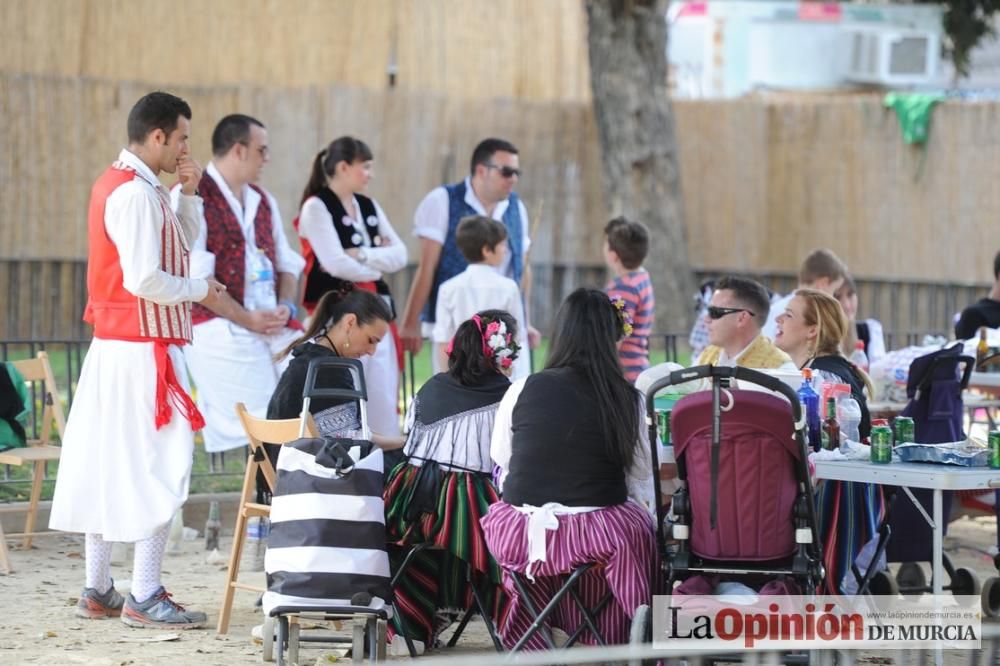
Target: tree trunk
[627, 41]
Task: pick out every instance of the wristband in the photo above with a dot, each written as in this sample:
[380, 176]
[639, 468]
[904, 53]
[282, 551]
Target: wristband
[292, 309]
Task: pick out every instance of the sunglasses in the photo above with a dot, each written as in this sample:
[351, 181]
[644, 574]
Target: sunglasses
[718, 313]
[505, 171]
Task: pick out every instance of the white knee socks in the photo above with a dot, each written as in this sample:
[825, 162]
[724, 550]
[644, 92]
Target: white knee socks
[98, 553]
[148, 563]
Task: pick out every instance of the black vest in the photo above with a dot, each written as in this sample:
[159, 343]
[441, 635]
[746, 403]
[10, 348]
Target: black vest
[558, 452]
[318, 281]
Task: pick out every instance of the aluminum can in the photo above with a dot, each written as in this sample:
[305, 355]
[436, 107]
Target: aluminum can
[881, 439]
[904, 429]
[994, 442]
[663, 426]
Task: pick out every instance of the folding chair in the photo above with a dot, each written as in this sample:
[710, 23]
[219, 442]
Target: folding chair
[569, 587]
[478, 604]
[258, 432]
[38, 451]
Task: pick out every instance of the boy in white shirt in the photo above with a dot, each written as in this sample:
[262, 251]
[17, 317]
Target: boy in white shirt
[480, 286]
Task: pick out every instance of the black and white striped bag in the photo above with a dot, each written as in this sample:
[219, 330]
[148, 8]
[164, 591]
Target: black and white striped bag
[327, 540]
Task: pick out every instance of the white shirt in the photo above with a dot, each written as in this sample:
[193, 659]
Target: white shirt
[316, 225]
[431, 220]
[133, 218]
[286, 260]
[480, 287]
[638, 479]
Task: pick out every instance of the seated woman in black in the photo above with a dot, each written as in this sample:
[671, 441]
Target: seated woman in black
[577, 474]
[348, 323]
[445, 486]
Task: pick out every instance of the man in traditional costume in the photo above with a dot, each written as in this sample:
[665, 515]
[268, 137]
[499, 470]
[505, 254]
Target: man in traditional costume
[487, 191]
[231, 358]
[127, 452]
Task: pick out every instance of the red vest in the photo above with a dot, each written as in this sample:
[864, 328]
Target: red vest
[115, 313]
[224, 238]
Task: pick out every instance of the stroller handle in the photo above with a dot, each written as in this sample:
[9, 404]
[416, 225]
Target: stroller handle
[352, 365]
[724, 372]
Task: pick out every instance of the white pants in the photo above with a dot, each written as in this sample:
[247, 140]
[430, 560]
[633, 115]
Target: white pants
[382, 379]
[231, 364]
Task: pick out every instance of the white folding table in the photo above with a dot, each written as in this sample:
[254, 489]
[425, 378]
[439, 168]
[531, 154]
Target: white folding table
[915, 475]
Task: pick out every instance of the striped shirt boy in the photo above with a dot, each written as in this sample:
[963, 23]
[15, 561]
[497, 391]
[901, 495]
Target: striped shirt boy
[636, 290]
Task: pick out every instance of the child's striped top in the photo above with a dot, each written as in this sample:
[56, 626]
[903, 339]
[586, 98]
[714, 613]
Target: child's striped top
[637, 291]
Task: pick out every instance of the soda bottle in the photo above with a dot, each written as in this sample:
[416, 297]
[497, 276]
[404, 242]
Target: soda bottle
[260, 293]
[810, 408]
[983, 348]
[831, 427]
[212, 526]
[858, 356]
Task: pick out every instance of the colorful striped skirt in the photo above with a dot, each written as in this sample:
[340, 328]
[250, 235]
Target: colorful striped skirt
[620, 539]
[434, 591]
[849, 515]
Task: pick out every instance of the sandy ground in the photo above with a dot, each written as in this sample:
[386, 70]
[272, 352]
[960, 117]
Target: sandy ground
[37, 625]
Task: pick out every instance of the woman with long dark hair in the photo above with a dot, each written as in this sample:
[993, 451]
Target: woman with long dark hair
[346, 238]
[445, 486]
[348, 323]
[575, 453]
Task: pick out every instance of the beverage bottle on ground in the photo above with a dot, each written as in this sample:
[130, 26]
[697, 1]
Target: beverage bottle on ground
[858, 356]
[260, 294]
[212, 526]
[810, 407]
[831, 427]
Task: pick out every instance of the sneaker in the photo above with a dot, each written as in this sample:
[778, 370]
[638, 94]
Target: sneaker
[94, 605]
[160, 612]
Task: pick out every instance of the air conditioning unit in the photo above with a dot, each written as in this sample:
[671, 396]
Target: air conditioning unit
[892, 56]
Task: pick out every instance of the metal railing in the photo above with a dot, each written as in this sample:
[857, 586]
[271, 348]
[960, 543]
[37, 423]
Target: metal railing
[66, 358]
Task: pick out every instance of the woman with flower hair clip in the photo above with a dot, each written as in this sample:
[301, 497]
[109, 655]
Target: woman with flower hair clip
[442, 489]
[577, 481]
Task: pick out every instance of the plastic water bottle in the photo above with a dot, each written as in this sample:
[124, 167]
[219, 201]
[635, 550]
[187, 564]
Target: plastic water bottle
[255, 544]
[858, 356]
[260, 292]
[849, 415]
[810, 405]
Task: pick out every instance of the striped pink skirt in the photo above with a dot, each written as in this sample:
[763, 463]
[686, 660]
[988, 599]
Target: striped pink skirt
[620, 539]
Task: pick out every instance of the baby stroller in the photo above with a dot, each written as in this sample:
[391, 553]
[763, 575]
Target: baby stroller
[745, 509]
[326, 558]
[934, 388]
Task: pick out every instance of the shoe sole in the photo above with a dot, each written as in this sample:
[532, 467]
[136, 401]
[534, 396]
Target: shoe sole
[97, 613]
[139, 623]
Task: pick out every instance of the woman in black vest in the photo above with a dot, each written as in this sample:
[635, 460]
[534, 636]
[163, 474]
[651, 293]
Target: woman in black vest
[575, 456]
[346, 237]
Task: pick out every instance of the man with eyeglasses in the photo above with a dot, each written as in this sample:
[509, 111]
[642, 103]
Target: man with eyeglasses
[738, 309]
[489, 191]
[231, 357]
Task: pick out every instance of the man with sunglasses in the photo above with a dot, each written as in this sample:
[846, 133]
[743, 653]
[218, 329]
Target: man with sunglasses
[231, 358]
[738, 309]
[489, 191]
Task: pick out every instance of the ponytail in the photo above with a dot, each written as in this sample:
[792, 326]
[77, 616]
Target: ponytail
[317, 178]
